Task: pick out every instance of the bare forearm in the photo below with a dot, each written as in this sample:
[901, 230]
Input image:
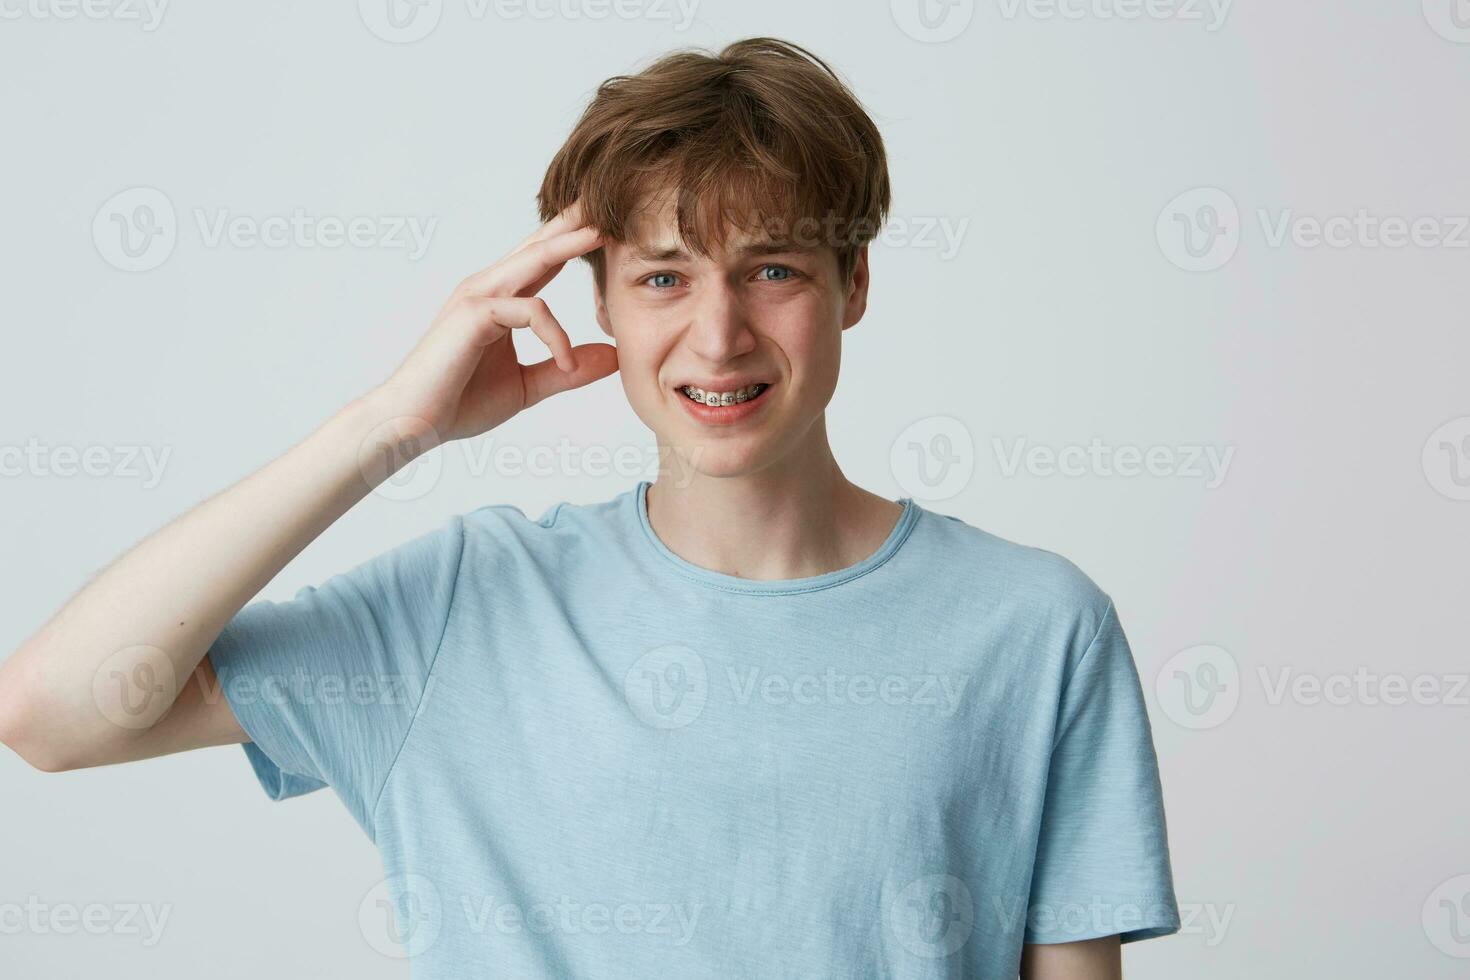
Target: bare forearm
[159, 607]
[1089, 959]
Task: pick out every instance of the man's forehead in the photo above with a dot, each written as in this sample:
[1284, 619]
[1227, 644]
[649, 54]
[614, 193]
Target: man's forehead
[653, 234]
[668, 247]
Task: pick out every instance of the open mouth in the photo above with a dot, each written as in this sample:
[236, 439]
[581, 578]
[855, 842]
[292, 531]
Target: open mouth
[721, 399]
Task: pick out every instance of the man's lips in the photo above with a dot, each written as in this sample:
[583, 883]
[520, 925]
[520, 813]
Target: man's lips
[732, 383]
[722, 396]
[730, 405]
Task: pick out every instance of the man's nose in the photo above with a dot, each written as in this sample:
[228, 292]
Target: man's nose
[719, 329]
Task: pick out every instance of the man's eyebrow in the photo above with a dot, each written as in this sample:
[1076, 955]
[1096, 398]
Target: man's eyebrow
[771, 247]
[656, 253]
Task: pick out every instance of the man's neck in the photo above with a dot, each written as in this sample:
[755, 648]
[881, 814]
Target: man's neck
[794, 519]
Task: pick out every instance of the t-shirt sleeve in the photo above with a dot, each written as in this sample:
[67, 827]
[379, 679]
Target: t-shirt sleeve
[1102, 863]
[327, 684]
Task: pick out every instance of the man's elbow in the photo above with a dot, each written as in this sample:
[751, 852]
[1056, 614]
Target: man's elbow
[21, 731]
[17, 737]
[39, 759]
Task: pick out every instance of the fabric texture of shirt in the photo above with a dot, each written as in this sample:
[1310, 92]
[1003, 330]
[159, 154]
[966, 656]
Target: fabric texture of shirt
[581, 755]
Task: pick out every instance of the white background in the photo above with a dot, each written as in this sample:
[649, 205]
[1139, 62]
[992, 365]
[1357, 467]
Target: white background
[1309, 839]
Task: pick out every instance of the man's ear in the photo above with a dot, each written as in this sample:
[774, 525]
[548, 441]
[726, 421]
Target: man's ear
[857, 290]
[603, 320]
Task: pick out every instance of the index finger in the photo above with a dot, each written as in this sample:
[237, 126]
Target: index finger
[569, 218]
[515, 272]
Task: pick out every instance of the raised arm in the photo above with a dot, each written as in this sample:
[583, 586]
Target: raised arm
[120, 672]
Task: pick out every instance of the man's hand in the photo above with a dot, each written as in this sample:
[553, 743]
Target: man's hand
[463, 378]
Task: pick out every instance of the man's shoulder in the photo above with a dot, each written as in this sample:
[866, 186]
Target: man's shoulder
[553, 526]
[986, 566]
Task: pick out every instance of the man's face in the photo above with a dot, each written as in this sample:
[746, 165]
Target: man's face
[755, 312]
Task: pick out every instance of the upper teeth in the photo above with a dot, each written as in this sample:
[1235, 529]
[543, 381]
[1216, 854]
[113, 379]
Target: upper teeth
[723, 397]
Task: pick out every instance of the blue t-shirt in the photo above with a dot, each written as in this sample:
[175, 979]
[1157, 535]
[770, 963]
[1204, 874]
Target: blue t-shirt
[581, 755]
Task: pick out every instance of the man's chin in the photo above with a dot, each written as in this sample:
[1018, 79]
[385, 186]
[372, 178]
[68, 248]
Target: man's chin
[682, 462]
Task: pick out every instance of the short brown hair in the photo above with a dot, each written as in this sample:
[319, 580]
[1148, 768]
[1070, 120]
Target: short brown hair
[764, 132]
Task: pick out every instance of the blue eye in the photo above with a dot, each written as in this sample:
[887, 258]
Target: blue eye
[662, 280]
[786, 273]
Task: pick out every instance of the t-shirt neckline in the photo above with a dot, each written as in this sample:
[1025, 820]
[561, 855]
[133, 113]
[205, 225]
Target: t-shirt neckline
[811, 583]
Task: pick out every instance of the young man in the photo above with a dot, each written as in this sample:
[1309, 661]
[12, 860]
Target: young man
[749, 721]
